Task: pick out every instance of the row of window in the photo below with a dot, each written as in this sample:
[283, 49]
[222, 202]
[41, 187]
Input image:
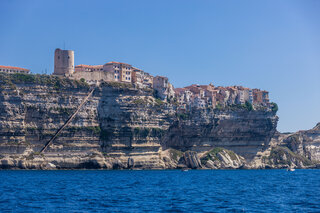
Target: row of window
[89, 69]
[118, 77]
[14, 71]
[118, 67]
[117, 71]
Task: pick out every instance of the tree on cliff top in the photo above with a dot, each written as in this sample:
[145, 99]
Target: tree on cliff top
[274, 107]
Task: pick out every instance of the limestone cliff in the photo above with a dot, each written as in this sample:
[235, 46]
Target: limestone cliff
[121, 127]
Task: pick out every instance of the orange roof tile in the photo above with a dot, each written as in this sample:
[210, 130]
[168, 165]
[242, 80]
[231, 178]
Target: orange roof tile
[16, 68]
[88, 66]
[115, 62]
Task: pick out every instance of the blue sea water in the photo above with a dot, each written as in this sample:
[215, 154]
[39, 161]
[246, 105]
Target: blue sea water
[160, 191]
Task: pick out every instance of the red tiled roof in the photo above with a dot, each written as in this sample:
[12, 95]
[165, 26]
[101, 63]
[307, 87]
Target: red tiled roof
[115, 62]
[158, 76]
[88, 66]
[179, 90]
[135, 68]
[16, 68]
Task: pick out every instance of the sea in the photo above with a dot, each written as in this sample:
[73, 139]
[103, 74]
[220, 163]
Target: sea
[160, 191]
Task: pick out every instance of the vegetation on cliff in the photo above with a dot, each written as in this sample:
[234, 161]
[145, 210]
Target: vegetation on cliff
[213, 155]
[283, 156]
[57, 83]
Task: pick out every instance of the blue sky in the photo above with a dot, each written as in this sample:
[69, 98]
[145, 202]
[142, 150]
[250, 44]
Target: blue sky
[271, 45]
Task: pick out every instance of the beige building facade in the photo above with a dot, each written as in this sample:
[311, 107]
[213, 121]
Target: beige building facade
[122, 71]
[10, 69]
[163, 88]
[142, 79]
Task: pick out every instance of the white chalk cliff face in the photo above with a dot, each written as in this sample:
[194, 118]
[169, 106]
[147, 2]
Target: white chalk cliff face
[121, 127]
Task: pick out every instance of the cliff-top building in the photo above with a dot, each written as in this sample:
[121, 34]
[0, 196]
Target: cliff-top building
[10, 69]
[121, 71]
[63, 62]
[199, 96]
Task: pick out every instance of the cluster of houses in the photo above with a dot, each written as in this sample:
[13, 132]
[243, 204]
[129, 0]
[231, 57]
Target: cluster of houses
[202, 96]
[197, 96]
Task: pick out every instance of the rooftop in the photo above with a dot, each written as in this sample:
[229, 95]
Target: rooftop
[16, 68]
[115, 62]
[88, 66]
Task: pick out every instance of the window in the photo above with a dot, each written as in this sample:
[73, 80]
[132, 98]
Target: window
[115, 77]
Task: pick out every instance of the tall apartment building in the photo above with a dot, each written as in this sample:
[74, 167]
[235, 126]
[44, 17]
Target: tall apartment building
[122, 72]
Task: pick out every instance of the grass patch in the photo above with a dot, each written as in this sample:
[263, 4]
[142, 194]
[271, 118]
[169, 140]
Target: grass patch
[144, 132]
[175, 154]
[118, 85]
[96, 130]
[140, 101]
[58, 83]
[159, 102]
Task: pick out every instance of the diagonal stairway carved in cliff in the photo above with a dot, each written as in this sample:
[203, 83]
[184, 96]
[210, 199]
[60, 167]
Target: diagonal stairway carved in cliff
[68, 121]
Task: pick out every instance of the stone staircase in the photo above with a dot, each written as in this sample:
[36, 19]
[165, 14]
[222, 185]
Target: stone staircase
[68, 121]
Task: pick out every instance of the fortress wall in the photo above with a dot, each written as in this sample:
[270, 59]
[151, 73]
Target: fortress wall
[93, 76]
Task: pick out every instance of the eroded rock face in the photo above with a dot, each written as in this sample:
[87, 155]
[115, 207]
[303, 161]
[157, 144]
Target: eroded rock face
[305, 143]
[244, 132]
[220, 158]
[120, 127]
[291, 150]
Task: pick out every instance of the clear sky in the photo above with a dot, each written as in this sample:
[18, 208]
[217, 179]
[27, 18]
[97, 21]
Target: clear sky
[272, 45]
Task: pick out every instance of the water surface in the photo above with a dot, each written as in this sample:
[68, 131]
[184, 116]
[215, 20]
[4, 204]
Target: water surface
[160, 191]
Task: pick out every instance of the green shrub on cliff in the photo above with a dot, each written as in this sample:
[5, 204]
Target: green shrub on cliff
[157, 132]
[159, 102]
[211, 155]
[140, 101]
[219, 106]
[183, 116]
[248, 106]
[118, 85]
[141, 131]
[274, 107]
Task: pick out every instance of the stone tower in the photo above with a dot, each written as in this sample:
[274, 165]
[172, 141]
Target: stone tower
[63, 62]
